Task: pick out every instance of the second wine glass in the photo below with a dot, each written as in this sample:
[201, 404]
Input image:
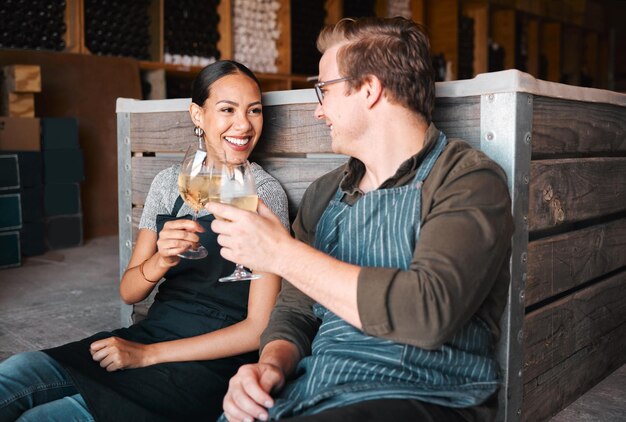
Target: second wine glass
[234, 184]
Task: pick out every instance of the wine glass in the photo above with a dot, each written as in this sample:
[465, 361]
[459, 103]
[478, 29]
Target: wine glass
[233, 183]
[194, 182]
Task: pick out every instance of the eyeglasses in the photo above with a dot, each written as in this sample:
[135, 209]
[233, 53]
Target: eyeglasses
[318, 87]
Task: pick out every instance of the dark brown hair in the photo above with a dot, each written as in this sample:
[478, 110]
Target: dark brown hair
[201, 86]
[395, 50]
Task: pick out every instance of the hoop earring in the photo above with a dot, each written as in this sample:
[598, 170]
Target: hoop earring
[198, 131]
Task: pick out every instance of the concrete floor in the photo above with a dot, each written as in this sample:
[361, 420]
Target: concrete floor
[61, 296]
[605, 402]
[69, 294]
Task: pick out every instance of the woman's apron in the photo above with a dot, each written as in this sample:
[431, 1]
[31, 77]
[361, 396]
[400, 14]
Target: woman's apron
[189, 302]
[348, 366]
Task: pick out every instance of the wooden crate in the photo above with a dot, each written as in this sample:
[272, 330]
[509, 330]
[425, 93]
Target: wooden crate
[564, 151]
[573, 279]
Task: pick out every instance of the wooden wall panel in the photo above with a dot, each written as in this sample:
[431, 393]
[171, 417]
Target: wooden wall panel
[570, 190]
[551, 49]
[572, 344]
[295, 174]
[225, 26]
[532, 29]
[290, 129]
[283, 43]
[459, 118]
[479, 11]
[161, 132]
[135, 221]
[503, 32]
[442, 23]
[559, 263]
[293, 129]
[143, 171]
[574, 128]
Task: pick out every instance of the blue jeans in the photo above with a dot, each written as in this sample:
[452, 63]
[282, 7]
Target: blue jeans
[34, 387]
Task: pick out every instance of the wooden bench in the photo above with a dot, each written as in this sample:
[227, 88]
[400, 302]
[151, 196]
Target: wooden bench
[564, 151]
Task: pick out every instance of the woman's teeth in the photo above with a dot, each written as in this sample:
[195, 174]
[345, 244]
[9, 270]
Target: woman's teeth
[237, 141]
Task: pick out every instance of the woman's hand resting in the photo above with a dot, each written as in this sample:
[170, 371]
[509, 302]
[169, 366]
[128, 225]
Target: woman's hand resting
[115, 353]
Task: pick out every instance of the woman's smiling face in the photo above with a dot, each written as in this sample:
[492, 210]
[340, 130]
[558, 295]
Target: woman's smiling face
[232, 116]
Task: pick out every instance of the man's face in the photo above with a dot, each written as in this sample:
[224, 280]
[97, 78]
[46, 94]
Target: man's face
[339, 110]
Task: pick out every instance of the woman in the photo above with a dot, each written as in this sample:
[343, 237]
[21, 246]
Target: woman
[176, 363]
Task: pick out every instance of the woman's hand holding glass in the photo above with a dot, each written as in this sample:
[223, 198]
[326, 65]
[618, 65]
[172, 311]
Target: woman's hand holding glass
[194, 182]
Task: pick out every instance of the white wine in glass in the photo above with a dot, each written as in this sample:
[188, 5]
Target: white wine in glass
[194, 184]
[237, 187]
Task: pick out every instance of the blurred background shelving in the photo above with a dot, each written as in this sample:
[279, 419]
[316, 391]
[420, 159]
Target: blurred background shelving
[93, 51]
[570, 41]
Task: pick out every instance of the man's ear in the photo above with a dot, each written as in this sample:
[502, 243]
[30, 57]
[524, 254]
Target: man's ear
[372, 89]
[195, 111]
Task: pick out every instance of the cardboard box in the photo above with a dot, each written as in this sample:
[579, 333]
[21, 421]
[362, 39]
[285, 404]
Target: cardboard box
[10, 255]
[9, 172]
[20, 134]
[63, 166]
[10, 212]
[32, 205]
[59, 133]
[16, 104]
[64, 231]
[61, 199]
[28, 166]
[22, 78]
[31, 168]
[32, 238]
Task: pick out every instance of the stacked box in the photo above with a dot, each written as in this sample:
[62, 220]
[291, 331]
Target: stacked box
[21, 190]
[9, 172]
[18, 85]
[32, 191]
[20, 134]
[21, 173]
[10, 223]
[10, 249]
[62, 174]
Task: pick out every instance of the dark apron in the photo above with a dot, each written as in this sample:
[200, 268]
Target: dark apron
[189, 302]
[348, 366]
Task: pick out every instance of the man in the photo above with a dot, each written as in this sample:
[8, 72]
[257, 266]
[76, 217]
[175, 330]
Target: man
[398, 274]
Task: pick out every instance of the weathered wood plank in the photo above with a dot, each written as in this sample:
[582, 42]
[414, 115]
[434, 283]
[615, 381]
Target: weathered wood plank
[287, 129]
[573, 127]
[559, 263]
[572, 344]
[144, 170]
[136, 215]
[569, 190]
[459, 118]
[293, 128]
[295, 174]
[161, 132]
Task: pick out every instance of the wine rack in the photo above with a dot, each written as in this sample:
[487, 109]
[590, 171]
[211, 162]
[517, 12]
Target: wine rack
[33, 24]
[117, 28]
[174, 39]
[191, 32]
